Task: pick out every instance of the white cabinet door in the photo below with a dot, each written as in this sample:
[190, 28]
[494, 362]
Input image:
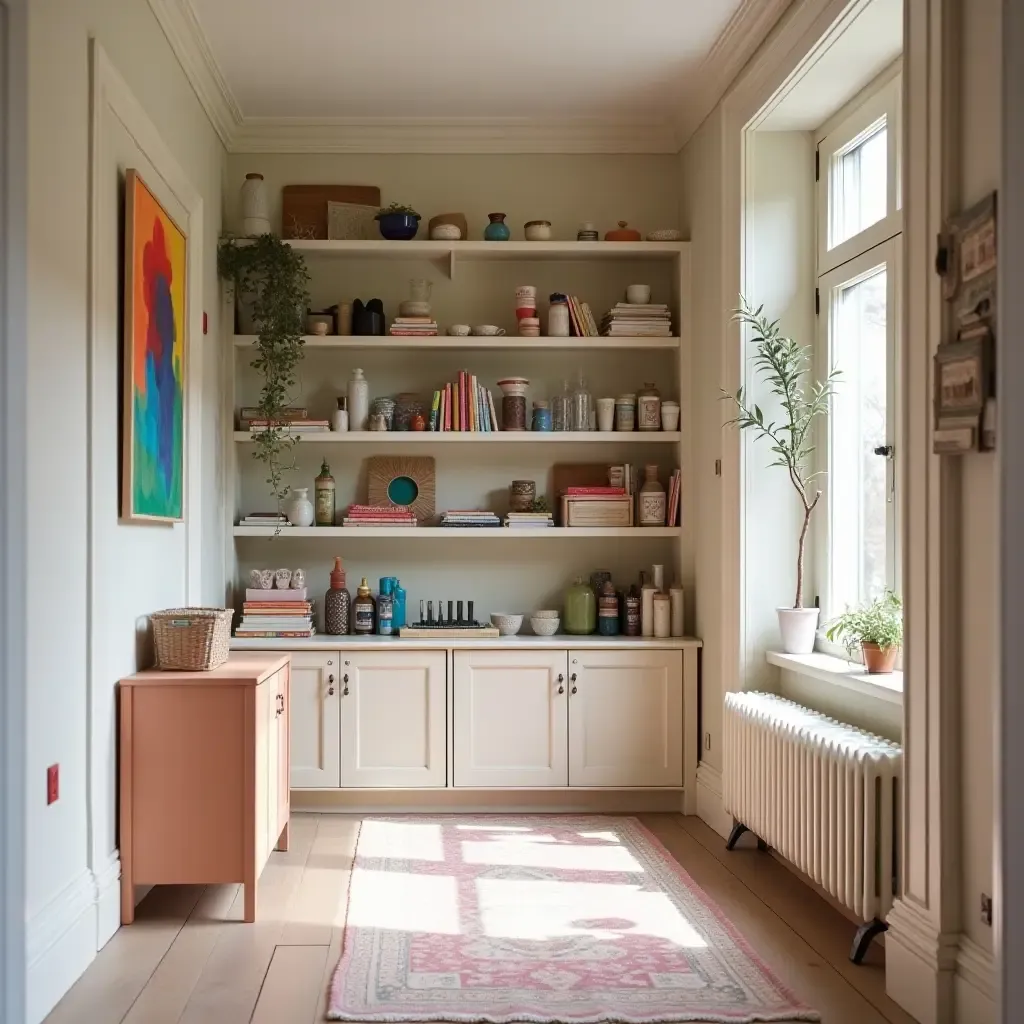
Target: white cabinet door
[315, 720]
[394, 726]
[510, 718]
[625, 718]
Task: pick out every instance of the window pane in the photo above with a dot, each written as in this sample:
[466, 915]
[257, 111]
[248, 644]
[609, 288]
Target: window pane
[860, 188]
[859, 476]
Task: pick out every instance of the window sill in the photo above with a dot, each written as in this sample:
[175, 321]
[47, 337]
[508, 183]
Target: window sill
[839, 672]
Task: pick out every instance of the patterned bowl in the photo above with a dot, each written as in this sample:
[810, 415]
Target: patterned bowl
[508, 623]
[664, 235]
[544, 627]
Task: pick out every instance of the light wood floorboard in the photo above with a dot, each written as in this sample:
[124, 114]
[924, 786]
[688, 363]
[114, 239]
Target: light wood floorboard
[189, 959]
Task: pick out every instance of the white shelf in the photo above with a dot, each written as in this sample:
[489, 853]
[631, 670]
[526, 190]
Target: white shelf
[323, 642]
[427, 437]
[479, 533]
[486, 251]
[506, 343]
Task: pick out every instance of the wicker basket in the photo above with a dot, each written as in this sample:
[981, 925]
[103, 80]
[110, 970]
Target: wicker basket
[191, 639]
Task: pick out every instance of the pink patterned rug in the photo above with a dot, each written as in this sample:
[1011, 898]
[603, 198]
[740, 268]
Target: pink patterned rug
[580, 919]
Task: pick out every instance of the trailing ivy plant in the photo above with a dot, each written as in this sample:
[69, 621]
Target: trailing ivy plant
[785, 366]
[273, 275]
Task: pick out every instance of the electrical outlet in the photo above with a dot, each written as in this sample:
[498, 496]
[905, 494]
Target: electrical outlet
[986, 909]
[707, 741]
[52, 784]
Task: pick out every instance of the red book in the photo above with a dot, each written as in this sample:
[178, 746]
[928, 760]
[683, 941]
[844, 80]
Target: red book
[610, 491]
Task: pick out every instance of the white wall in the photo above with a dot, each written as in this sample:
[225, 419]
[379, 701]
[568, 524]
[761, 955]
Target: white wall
[567, 190]
[66, 852]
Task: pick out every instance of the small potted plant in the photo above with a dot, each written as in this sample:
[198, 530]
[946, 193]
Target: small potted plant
[876, 629]
[398, 223]
[784, 366]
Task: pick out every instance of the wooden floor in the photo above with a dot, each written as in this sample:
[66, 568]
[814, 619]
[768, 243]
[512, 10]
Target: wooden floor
[189, 959]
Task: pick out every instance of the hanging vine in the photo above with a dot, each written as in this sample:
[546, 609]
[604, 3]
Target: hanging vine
[273, 276]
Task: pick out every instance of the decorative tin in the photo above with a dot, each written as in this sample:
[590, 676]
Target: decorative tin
[648, 408]
[625, 413]
[521, 495]
[608, 610]
[541, 416]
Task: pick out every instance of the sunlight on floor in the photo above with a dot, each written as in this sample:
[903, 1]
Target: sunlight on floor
[404, 902]
[401, 840]
[543, 910]
[528, 852]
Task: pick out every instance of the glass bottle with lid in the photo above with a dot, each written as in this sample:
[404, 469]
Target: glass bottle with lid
[561, 406]
[582, 407]
[580, 609]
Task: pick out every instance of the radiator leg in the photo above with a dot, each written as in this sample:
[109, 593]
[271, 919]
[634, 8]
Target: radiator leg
[861, 941]
[737, 830]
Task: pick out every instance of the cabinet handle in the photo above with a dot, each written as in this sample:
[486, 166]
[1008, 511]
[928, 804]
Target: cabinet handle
[330, 685]
[344, 692]
[572, 679]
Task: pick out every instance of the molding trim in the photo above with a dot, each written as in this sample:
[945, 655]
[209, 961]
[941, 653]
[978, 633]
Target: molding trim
[181, 26]
[920, 964]
[59, 916]
[710, 809]
[108, 899]
[976, 966]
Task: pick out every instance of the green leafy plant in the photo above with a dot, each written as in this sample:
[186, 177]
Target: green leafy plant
[881, 623]
[274, 276]
[540, 505]
[396, 208]
[785, 366]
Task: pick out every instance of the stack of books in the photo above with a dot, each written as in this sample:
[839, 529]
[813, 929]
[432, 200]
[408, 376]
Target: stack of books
[673, 500]
[469, 517]
[627, 320]
[581, 319]
[274, 519]
[413, 327]
[276, 613]
[378, 515]
[529, 520]
[463, 405]
[249, 414]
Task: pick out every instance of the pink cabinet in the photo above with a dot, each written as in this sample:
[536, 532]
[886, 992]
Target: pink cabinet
[204, 775]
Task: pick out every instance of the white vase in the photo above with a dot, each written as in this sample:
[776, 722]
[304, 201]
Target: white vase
[358, 401]
[299, 509]
[255, 206]
[798, 626]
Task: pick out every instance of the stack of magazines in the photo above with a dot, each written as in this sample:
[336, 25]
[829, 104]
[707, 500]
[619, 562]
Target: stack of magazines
[469, 517]
[630, 320]
[529, 520]
[378, 515]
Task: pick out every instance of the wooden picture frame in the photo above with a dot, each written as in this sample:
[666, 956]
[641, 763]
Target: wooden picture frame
[155, 342]
[385, 470]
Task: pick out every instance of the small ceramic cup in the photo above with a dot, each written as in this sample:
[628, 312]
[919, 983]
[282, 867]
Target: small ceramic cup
[537, 230]
[526, 295]
[669, 415]
[488, 331]
[638, 294]
[606, 414]
[459, 330]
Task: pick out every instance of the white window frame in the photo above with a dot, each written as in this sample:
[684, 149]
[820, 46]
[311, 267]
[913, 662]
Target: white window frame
[837, 268]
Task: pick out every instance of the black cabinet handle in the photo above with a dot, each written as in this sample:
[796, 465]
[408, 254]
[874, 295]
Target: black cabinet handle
[330, 685]
[344, 679]
[572, 678]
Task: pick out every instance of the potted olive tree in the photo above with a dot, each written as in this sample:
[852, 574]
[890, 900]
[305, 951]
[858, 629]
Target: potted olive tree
[785, 367]
[877, 630]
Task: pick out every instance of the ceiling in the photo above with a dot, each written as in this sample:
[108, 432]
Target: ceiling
[463, 75]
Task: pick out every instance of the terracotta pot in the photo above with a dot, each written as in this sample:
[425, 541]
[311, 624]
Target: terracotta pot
[622, 234]
[879, 660]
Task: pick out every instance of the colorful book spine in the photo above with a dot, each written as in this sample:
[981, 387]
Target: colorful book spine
[613, 491]
[448, 407]
[494, 414]
[434, 403]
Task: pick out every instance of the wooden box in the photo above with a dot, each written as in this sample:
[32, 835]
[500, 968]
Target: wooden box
[597, 511]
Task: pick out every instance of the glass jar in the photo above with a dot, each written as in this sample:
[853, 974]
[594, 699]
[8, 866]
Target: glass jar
[625, 413]
[558, 317]
[561, 408]
[648, 408]
[580, 609]
[541, 416]
[420, 289]
[582, 407]
[652, 504]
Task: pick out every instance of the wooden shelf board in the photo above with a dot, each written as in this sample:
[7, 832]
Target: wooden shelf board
[426, 437]
[420, 249]
[506, 343]
[478, 533]
[323, 642]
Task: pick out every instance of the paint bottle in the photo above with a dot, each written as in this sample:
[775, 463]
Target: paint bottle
[363, 609]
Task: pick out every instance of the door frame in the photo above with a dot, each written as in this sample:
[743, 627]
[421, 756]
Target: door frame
[13, 559]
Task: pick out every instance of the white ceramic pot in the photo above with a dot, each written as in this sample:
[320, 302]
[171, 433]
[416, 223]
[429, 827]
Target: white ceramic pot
[537, 230]
[255, 206]
[606, 414]
[669, 415]
[299, 509]
[638, 294]
[446, 232]
[797, 626]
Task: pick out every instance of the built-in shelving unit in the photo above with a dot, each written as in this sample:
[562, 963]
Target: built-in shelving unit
[472, 343]
[424, 533]
[501, 437]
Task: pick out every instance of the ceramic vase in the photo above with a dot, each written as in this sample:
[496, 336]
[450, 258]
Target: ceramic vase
[299, 509]
[255, 206]
[652, 505]
[797, 626]
[580, 609]
[497, 230]
[358, 401]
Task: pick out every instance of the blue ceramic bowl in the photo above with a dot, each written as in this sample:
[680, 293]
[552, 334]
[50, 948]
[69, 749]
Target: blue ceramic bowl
[398, 227]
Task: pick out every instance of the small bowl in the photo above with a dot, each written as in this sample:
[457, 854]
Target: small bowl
[547, 615]
[664, 235]
[544, 627]
[488, 331]
[446, 232]
[319, 323]
[459, 331]
[638, 294]
[508, 623]
[537, 230]
[413, 307]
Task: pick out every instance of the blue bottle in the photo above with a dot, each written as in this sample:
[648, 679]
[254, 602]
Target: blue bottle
[398, 614]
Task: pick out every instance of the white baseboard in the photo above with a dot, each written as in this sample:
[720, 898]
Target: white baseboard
[61, 941]
[975, 984]
[108, 900]
[709, 800]
[920, 965]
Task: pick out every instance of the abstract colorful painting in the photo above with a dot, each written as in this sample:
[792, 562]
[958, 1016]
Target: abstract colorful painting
[155, 334]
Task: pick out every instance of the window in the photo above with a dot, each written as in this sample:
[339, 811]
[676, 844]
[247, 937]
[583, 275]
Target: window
[859, 264]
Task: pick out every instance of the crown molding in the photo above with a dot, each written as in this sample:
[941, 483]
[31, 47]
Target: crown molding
[746, 30]
[181, 26]
[452, 135]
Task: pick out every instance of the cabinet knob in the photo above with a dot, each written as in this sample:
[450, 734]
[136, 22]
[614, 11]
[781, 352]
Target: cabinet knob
[561, 679]
[572, 679]
[330, 685]
[329, 661]
[344, 679]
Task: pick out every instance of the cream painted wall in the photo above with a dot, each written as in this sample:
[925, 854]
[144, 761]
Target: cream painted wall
[567, 190]
[980, 157]
[64, 847]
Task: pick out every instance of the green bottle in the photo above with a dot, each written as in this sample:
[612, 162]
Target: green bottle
[580, 609]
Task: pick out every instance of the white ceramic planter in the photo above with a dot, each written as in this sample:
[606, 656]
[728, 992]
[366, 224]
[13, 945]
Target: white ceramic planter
[797, 626]
[255, 206]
